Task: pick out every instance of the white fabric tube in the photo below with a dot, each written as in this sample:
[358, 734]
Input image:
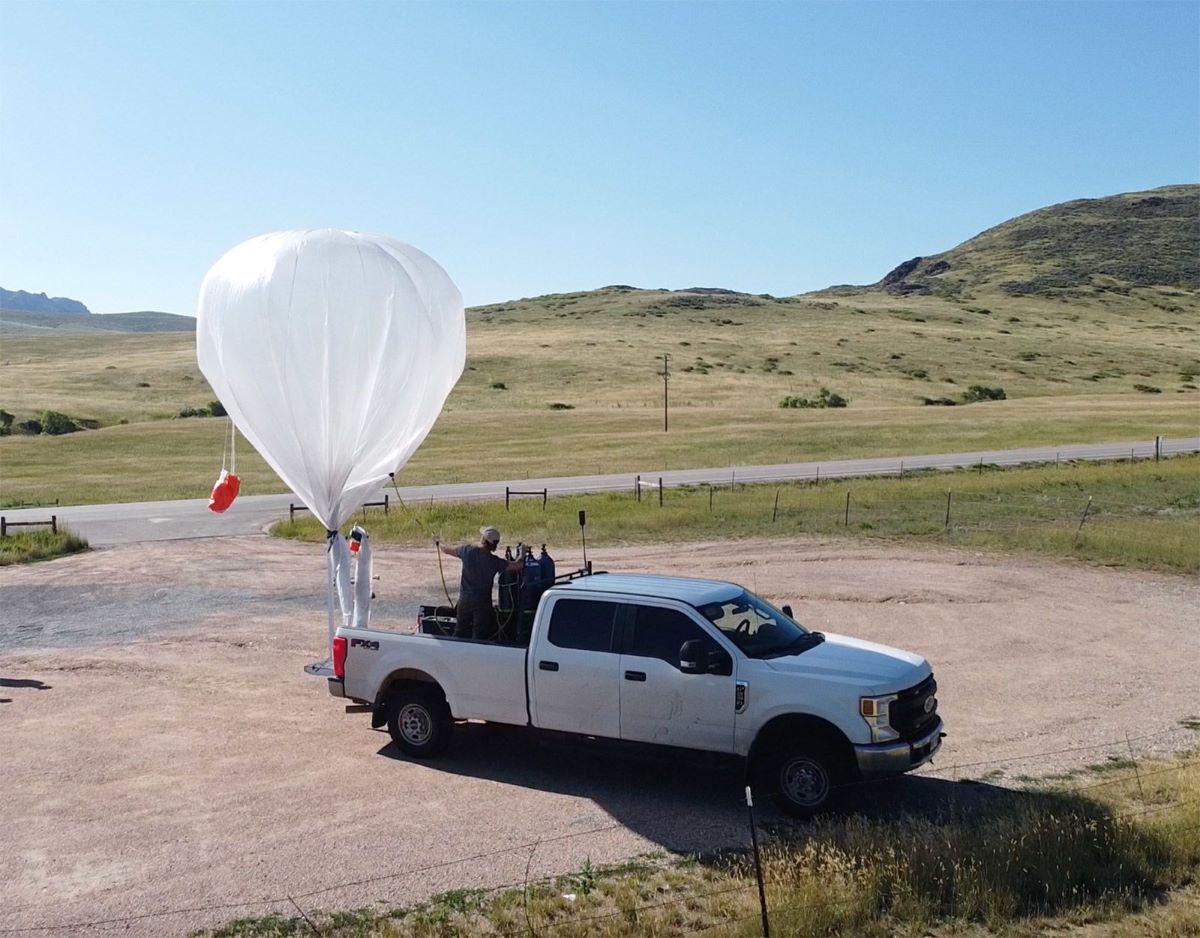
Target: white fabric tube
[362, 583]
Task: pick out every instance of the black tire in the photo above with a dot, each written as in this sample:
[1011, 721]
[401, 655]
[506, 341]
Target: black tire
[802, 778]
[419, 722]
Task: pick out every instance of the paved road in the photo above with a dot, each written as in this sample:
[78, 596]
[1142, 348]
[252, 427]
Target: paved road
[159, 521]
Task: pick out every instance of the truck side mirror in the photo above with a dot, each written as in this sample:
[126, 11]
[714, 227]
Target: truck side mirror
[787, 611]
[702, 656]
[693, 655]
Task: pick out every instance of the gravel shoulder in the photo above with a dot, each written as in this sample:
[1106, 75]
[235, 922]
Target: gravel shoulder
[163, 751]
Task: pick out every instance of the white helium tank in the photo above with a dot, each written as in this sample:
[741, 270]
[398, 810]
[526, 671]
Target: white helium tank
[333, 352]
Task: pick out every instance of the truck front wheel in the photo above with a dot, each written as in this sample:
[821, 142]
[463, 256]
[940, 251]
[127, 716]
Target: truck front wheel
[802, 779]
[420, 723]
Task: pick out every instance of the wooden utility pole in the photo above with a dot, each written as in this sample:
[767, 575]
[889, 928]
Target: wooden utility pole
[666, 376]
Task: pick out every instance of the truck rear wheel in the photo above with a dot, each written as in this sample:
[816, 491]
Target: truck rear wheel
[420, 723]
[801, 778]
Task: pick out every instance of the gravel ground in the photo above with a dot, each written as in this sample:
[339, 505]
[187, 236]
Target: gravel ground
[163, 752]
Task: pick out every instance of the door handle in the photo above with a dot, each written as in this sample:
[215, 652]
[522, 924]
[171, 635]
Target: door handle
[635, 675]
[548, 665]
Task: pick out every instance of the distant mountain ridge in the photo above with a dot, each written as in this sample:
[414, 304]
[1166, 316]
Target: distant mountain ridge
[1136, 239]
[41, 303]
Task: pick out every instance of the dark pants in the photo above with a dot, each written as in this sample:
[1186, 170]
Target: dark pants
[475, 620]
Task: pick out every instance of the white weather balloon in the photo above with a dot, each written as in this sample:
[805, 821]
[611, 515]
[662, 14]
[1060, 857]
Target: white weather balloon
[333, 352]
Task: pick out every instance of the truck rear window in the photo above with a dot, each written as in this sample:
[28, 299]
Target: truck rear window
[586, 624]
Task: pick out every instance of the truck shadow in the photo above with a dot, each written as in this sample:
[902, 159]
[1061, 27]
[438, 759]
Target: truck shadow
[23, 682]
[684, 802]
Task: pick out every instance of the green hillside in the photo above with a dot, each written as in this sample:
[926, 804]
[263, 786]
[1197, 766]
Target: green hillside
[1138, 239]
[22, 322]
[570, 383]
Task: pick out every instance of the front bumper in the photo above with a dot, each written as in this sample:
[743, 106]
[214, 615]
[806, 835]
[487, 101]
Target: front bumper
[894, 758]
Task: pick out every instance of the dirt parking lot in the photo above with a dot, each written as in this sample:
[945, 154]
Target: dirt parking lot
[162, 751]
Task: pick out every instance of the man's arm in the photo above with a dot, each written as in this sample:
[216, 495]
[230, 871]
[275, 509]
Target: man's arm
[448, 551]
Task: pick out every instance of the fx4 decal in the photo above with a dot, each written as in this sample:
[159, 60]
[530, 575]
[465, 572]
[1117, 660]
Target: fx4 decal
[364, 643]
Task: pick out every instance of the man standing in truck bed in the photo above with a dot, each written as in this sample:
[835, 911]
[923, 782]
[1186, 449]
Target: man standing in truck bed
[480, 565]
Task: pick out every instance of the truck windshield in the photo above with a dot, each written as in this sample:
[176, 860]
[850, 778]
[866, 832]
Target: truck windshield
[758, 628]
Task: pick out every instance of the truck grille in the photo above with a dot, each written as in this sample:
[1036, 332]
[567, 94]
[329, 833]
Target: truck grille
[907, 713]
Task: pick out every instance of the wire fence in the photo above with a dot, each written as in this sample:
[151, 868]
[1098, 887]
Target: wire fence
[295, 901]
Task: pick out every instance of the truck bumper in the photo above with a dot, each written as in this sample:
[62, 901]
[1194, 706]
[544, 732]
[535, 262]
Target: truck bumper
[894, 758]
[337, 687]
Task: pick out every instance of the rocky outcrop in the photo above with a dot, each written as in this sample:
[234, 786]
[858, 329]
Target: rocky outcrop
[40, 303]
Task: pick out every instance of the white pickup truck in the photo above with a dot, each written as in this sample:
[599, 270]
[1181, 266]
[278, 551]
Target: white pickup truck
[667, 661]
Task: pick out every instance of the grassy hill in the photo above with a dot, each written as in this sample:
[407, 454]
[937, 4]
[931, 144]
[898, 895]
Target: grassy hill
[570, 383]
[1114, 244]
[21, 322]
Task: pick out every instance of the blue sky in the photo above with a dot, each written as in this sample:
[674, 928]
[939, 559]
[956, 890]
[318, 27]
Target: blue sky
[545, 147]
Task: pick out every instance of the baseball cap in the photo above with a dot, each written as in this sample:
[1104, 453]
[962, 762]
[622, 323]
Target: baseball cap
[490, 534]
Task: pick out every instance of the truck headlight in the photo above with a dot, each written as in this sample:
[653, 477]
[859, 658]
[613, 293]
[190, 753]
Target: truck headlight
[875, 710]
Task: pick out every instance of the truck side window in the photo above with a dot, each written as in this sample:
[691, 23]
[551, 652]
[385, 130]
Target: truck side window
[586, 624]
[660, 633]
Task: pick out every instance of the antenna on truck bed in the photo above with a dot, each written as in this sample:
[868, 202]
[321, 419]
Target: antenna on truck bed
[583, 536]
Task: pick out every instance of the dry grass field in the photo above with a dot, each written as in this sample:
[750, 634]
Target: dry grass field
[1069, 369]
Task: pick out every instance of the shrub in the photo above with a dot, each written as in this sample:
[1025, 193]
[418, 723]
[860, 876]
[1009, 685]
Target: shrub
[825, 398]
[558, 405]
[1147, 389]
[30, 426]
[56, 424]
[499, 386]
[977, 392]
[6, 422]
[939, 402]
[217, 409]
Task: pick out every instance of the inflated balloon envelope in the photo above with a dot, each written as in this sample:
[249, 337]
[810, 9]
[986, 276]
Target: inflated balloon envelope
[333, 352]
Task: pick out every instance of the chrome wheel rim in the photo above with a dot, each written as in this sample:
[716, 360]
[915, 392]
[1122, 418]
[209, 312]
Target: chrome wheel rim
[416, 726]
[804, 781]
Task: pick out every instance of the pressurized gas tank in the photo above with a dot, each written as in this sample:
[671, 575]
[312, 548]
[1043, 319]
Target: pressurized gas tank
[546, 562]
[529, 594]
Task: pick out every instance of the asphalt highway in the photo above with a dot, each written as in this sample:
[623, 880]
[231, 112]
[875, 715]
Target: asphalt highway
[134, 522]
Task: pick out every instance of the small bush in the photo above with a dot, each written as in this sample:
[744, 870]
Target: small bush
[1147, 389]
[977, 392]
[33, 426]
[499, 386]
[558, 405]
[56, 424]
[825, 398]
[6, 422]
[939, 402]
[217, 409]
[143, 384]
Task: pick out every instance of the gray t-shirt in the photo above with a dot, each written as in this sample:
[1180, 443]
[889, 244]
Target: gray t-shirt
[479, 569]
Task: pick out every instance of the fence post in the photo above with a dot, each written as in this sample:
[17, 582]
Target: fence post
[1086, 509]
[1157, 448]
[506, 498]
[637, 487]
[660, 497]
[818, 475]
[948, 493]
[545, 495]
[3, 526]
[710, 491]
[385, 504]
[291, 512]
[901, 468]
[775, 510]
[54, 524]
[762, 895]
[847, 508]
[981, 465]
